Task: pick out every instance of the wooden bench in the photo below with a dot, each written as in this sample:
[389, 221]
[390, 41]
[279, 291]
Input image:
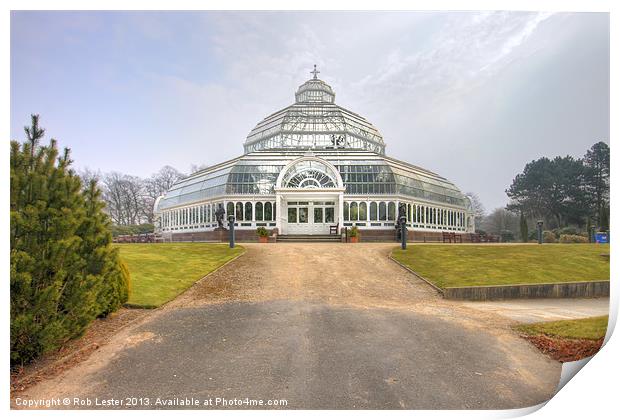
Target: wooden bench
[333, 229]
[451, 237]
[475, 237]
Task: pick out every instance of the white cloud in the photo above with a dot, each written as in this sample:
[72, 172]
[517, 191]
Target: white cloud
[443, 88]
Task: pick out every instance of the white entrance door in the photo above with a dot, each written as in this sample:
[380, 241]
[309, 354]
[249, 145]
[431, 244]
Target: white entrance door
[310, 217]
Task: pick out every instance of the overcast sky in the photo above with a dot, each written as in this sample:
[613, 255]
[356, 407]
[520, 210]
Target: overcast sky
[471, 96]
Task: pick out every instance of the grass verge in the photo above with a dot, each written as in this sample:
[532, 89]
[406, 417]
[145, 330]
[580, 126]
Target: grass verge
[585, 329]
[495, 265]
[567, 341]
[160, 272]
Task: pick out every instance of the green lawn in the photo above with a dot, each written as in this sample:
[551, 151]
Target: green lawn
[486, 265]
[160, 272]
[587, 328]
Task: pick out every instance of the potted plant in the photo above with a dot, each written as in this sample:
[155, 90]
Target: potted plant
[354, 234]
[263, 235]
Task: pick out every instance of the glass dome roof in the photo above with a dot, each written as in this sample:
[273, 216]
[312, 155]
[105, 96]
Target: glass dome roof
[314, 122]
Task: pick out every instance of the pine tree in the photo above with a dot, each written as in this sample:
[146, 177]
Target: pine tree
[604, 219]
[103, 261]
[523, 228]
[596, 162]
[64, 272]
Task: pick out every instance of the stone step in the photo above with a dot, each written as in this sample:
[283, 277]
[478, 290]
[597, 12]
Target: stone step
[308, 238]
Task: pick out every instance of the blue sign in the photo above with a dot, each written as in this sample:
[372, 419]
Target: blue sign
[601, 238]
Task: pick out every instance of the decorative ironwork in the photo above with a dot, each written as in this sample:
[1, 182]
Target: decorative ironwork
[310, 173]
[310, 178]
[315, 72]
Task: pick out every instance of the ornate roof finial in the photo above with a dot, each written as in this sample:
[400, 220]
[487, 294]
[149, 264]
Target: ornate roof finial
[315, 72]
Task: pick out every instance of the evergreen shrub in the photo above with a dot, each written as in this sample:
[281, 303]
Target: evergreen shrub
[64, 271]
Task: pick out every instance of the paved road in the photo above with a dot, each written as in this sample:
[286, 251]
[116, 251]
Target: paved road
[320, 326]
[541, 310]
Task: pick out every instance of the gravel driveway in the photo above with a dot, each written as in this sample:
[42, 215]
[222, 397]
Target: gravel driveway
[312, 326]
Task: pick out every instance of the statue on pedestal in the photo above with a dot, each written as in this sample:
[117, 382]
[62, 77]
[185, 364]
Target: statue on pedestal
[219, 216]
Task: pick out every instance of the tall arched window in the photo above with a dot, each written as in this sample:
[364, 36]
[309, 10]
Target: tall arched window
[382, 211]
[258, 209]
[239, 211]
[391, 210]
[373, 211]
[248, 212]
[353, 210]
[362, 211]
[230, 209]
[345, 210]
[268, 212]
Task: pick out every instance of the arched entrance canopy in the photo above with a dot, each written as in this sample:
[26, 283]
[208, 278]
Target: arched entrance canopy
[309, 191]
[309, 172]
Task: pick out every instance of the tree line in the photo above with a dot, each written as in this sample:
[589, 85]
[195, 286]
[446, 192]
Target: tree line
[130, 199]
[570, 195]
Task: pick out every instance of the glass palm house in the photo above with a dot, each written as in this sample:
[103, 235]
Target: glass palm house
[308, 167]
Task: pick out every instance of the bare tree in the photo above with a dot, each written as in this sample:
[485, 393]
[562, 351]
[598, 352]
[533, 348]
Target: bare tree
[113, 195]
[87, 175]
[156, 186]
[500, 220]
[195, 167]
[133, 202]
[124, 196]
[477, 207]
[130, 199]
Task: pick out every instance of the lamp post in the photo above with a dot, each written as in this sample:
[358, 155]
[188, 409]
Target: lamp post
[231, 230]
[403, 232]
[539, 226]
